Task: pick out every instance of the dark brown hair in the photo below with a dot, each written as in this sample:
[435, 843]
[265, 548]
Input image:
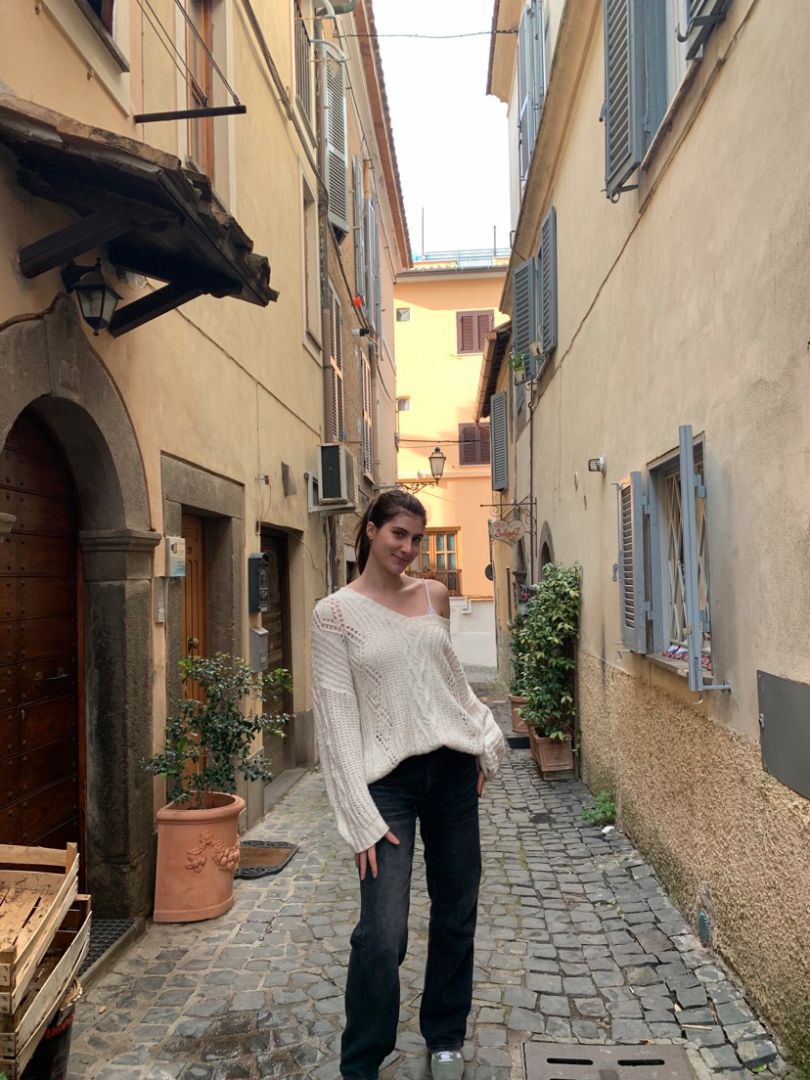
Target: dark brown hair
[386, 506]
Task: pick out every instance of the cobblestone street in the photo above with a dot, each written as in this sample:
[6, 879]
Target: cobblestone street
[576, 941]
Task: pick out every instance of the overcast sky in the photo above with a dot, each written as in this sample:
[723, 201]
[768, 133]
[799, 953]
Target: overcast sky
[450, 137]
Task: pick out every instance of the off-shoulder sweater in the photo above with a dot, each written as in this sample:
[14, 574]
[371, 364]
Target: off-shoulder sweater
[386, 687]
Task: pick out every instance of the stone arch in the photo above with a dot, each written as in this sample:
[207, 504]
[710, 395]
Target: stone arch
[546, 547]
[48, 366]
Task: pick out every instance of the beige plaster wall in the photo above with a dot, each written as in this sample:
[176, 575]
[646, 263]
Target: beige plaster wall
[694, 797]
[686, 303]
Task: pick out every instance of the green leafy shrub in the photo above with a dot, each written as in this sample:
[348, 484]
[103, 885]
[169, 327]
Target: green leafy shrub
[603, 811]
[518, 645]
[211, 740]
[549, 633]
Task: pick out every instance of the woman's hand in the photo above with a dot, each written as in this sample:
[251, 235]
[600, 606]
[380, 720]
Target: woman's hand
[479, 784]
[368, 858]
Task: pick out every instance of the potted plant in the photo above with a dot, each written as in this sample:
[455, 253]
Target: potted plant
[550, 631]
[209, 741]
[517, 697]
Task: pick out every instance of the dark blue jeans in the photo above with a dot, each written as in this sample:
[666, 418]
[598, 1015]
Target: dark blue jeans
[438, 789]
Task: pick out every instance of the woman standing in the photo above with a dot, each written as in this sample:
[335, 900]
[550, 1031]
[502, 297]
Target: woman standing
[402, 738]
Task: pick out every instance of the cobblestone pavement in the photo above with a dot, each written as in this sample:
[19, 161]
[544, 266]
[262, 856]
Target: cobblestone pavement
[576, 942]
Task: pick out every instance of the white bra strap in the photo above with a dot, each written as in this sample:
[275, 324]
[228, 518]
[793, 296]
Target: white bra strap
[430, 610]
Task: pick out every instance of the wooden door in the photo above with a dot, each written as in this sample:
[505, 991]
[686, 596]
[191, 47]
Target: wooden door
[195, 601]
[279, 751]
[40, 737]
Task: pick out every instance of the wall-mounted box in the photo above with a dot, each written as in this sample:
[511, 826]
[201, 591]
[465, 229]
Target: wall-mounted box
[259, 581]
[258, 648]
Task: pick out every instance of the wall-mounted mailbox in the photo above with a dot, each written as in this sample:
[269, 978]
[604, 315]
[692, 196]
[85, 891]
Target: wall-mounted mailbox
[259, 581]
[258, 648]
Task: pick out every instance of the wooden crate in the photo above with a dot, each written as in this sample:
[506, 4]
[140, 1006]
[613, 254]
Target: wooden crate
[20, 1032]
[37, 887]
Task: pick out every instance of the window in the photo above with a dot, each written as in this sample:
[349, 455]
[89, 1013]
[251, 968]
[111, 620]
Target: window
[499, 454]
[534, 303]
[103, 10]
[366, 245]
[439, 559]
[368, 433]
[337, 153]
[473, 444]
[644, 66]
[337, 411]
[312, 284]
[403, 404]
[531, 81]
[403, 314]
[303, 67]
[472, 328]
[664, 563]
[199, 83]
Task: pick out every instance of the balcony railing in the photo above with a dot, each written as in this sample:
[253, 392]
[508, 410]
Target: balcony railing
[462, 259]
[450, 578]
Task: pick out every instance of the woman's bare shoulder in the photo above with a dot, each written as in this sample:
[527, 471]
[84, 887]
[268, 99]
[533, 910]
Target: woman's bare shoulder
[439, 597]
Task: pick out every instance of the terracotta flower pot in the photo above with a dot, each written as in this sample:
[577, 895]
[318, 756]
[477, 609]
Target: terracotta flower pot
[197, 854]
[519, 725]
[554, 757]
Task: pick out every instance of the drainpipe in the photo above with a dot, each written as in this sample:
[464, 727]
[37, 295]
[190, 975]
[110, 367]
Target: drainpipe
[320, 45]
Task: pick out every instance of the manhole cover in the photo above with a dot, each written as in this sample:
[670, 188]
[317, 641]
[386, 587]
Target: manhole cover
[570, 1061]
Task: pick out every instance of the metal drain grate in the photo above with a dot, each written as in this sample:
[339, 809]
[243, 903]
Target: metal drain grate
[571, 1061]
[103, 935]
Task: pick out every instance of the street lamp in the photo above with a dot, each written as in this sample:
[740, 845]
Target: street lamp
[437, 460]
[97, 299]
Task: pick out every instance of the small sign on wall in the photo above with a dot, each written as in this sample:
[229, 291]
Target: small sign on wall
[175, 556]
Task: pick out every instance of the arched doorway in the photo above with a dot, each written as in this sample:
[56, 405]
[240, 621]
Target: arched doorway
[40, 737]
[56, 389]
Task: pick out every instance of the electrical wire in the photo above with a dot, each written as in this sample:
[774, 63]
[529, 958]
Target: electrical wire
[435, 37]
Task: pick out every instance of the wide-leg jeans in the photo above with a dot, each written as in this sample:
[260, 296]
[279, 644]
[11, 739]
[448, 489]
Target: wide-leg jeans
[439, 790]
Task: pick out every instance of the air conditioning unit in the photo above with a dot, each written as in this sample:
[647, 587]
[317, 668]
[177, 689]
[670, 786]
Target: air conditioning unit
[337, 486]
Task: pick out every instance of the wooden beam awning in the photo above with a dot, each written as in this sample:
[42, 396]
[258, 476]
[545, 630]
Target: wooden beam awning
[155, 217]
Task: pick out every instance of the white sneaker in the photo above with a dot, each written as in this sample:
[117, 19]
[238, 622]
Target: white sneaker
[447, 1065]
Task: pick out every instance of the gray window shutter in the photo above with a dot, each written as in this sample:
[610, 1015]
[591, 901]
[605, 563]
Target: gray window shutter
[499, 447]
[373, 299]
[548, 283]
[690, 482]
[623, 112]
[337, 158]
[337, 407]
[531, 80]
[524, 309]
[631, 564]
[359, 227]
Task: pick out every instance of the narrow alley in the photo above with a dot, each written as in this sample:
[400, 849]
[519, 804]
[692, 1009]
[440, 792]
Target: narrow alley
[576, 942]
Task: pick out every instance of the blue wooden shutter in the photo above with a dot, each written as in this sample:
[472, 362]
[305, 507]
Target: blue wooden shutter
[499, 447]
[548, 283]
[623, 112]
[359, 227]
[337, 157]
[633, 610]
[524, 309]
[690, 482]
[531, 80]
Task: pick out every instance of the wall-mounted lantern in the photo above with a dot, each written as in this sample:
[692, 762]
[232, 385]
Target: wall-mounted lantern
[97, 299]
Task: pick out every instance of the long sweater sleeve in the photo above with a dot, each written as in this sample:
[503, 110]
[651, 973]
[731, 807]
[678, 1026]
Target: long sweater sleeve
[337, 721]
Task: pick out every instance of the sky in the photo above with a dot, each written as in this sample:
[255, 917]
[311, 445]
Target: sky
[451, 139]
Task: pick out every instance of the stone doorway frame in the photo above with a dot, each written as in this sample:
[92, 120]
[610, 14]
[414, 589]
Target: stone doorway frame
[48, 365]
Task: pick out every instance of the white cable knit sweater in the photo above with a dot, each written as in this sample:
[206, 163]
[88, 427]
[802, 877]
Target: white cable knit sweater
[386, 687]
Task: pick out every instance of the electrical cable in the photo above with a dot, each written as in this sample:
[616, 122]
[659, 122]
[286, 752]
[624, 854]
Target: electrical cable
[206, 50]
